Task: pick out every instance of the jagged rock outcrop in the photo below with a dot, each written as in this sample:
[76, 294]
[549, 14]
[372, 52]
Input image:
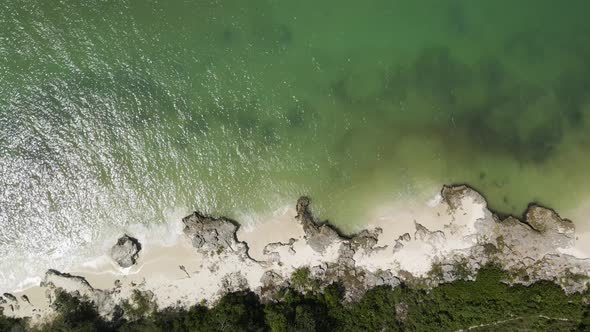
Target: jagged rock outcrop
[126, 251]
[213, 235]
[524, 246]
[9, 302]
[10, 297]
[343, 269]
[233, 282]
[78, 286]
[271, 282]
[318, 235]
[67, 282]
[532, 249]
[449, 240]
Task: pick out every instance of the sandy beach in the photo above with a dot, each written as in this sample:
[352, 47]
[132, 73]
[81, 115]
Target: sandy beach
[420, 232]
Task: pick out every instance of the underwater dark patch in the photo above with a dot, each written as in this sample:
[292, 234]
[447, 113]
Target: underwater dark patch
[493, 75]
[247, 116]
[395, 85]
[196, 126]
[573, 91]
[269, 133]
[339, 91]
[300, 115]
[542, 142]
[284, 35]
[458, 21]
[228, 35]
[439, 75]
[526, 45]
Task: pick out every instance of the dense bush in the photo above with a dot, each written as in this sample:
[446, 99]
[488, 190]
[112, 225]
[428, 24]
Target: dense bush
[11, 324]
[486, 304]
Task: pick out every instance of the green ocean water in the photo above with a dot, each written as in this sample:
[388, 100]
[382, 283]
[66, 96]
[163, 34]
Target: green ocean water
[117, 113]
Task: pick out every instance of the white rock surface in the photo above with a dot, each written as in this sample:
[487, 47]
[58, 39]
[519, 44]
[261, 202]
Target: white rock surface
[451, 237]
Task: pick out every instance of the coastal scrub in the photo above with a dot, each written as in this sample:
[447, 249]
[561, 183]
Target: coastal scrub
[485, 304]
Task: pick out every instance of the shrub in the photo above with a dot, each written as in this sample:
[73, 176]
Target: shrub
[486, 304]
[75, 313]
[12, 324]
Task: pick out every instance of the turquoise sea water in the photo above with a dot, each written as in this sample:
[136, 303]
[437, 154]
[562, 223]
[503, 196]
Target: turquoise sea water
[115, 113]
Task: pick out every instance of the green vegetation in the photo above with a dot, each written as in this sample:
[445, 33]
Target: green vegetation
[140, 306]
[486, 304]
[11, 324]
[300, 277]
[74, 314]
[301, 280]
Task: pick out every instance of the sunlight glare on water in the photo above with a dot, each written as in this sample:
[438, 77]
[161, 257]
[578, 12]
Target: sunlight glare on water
[114, 113]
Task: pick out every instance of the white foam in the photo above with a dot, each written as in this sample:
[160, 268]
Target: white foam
[27, 283]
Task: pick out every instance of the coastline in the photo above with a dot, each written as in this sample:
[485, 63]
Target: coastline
[438, 232]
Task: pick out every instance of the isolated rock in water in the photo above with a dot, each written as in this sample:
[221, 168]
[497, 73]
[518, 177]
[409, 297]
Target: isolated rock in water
[126, 250]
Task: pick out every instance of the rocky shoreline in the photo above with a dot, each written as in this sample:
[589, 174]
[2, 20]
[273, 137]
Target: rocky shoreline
[459, 236]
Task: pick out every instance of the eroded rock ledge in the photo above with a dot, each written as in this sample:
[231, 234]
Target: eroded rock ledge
[452, 240]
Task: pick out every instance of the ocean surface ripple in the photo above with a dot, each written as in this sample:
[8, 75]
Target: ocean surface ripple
[126, 115]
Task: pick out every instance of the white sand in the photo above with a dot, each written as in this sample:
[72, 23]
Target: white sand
[581, 218]
[158, 268]
[278, 227]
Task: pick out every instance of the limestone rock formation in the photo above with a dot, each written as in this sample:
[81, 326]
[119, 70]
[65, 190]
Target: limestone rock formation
[78, 286]
[319, 235]
[449, 240]
[126, 251]
[67, 282]
[531, 249]
[212, 235]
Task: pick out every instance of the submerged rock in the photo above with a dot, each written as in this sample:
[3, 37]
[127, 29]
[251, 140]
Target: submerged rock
[126, 251]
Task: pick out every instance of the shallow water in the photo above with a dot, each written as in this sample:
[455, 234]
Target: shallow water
[119, 113]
